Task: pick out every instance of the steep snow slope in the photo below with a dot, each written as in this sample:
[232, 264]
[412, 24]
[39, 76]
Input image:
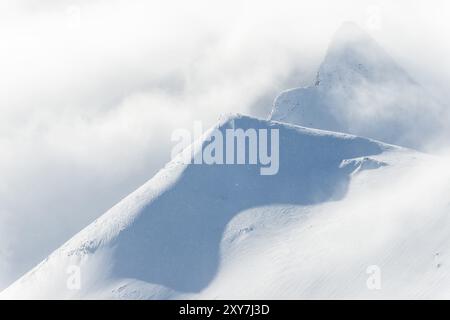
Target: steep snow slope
[338, 205]
[361, 90]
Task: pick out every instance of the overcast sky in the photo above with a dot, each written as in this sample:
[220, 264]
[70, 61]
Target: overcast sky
[91, 91]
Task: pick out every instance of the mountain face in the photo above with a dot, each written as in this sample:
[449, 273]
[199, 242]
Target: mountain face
[359, 89]
[340, 211]
[332, 213]
[171, 237]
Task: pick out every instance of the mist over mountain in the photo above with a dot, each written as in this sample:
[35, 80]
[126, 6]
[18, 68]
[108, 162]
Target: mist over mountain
[360, 89]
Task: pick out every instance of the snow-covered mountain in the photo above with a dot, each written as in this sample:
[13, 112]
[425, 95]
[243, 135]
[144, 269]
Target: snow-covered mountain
[344, 217]
[225, 231]
[361, 90]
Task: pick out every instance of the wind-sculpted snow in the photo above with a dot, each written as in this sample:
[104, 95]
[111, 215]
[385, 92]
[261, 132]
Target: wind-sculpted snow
[165, 239]
[364, 163]
[361, 90]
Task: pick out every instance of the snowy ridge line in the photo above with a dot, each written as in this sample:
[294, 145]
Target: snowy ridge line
[133, 249]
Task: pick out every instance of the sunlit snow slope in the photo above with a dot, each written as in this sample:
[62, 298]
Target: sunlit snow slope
[360, 89]
[225, 231]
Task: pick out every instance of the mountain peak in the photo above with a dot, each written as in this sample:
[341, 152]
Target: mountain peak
[350, 32]
[354, 56]
[360, 89]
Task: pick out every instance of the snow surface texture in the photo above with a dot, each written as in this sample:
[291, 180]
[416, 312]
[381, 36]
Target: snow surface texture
[170, 236]
[360, 89]
[225, 231]
[339, 207]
